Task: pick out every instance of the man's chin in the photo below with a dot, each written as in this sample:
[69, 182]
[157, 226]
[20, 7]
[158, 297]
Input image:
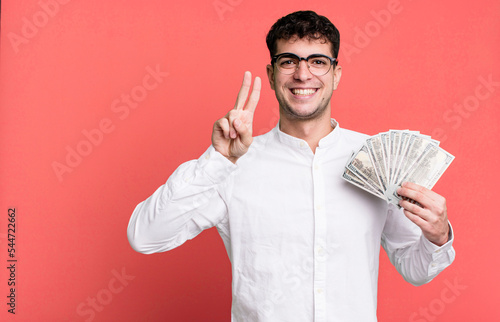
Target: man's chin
[303, 113]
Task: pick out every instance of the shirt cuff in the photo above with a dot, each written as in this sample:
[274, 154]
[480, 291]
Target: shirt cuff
[442, 256]
[216, 166]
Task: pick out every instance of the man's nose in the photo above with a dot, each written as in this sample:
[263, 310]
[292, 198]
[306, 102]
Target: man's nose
[303, 73]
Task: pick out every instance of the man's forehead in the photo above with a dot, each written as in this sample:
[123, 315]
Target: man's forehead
[305, 44]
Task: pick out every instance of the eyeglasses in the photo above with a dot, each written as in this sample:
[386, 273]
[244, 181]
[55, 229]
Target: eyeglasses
[318, 64]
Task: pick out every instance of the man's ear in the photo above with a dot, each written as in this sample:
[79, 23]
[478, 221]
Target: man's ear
[337, 74]
[270, 75]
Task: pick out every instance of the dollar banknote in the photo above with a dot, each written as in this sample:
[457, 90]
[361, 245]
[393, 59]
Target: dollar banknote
[388, 159]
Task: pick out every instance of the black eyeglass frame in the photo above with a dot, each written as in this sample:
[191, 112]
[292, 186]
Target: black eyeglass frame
[332, 61]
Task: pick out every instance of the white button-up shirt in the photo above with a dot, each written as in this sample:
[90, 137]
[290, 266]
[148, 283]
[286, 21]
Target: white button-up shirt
[303, 243]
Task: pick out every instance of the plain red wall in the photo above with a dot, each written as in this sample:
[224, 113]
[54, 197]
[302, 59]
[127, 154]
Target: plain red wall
[67, 66]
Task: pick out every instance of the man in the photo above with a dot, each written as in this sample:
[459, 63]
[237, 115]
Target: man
[303, 243]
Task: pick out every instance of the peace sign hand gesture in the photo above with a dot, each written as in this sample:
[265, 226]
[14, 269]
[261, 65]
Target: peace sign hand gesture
[232, 134]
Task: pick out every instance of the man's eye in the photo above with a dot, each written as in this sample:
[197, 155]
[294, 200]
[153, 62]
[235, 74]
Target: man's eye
[318, 61]
[288, 63]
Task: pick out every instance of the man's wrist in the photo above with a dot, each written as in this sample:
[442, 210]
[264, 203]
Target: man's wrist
[232, 159]
[446, 238]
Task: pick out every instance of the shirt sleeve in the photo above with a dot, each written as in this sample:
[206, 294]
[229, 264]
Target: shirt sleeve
[416, 258]
[190, 201]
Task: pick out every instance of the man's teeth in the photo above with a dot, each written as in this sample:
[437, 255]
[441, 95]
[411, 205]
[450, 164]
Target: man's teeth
[302, 91]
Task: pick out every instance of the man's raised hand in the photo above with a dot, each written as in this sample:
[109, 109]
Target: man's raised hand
[232, 134]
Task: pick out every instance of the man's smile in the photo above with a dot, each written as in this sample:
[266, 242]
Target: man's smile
[303, 92]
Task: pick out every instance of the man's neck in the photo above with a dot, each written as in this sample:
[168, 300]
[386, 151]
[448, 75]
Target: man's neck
[311, 131]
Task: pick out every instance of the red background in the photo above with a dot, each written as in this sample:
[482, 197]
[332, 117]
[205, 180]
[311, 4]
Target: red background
[406, 64]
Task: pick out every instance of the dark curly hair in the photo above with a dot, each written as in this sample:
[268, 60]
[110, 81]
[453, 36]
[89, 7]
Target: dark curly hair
[303, 24]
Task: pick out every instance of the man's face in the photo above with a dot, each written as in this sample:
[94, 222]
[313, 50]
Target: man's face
[302, 95]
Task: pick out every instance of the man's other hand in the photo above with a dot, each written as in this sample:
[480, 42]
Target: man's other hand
[232, 134]
[431, 216]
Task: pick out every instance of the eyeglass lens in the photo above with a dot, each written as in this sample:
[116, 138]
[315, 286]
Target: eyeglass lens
[318, 65]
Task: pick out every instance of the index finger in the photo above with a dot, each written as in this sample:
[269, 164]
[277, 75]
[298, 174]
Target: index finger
[254, 96]
[243, 93]
[421, 189]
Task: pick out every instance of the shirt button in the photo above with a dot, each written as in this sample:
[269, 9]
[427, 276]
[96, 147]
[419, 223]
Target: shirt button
[302, 144]
[321, 251]
[316, 167]
[319, 290]
[318, 207]
[207, 156]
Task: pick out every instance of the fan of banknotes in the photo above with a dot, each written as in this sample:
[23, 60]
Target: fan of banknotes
[388, 159]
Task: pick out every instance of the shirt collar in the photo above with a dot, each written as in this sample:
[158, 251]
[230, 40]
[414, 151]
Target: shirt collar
[292, 141]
